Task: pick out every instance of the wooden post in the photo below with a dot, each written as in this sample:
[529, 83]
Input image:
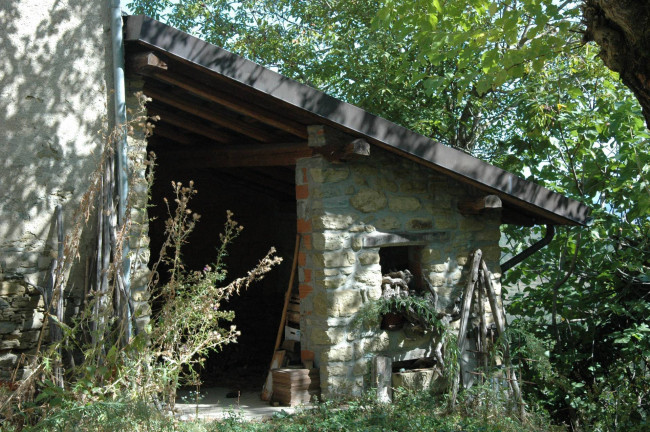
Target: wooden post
[464, 318]
[482, 333]
[382, 376]
[501, 328]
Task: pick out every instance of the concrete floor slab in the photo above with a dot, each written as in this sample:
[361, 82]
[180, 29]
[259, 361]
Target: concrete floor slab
[214, 405]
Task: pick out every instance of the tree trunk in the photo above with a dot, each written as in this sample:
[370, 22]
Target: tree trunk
[622, 30]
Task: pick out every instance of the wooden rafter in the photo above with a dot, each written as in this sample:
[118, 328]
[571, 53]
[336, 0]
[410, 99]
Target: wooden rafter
[236, 105]
[473, 206]
[224, 119]
[149, 64]
[336, 146]
[190, 124]
[144, 63]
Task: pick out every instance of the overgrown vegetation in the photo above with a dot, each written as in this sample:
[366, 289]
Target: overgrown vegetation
[480, 410]
[98, 376]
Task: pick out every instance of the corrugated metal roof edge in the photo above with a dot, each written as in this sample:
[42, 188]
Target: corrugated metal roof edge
[522, 193]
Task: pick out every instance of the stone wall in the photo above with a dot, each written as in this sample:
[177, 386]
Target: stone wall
[345, 212]
[55, 102]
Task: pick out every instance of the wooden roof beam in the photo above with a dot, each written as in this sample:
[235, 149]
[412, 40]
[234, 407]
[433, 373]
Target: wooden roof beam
[144, 63]
[181, 136]
[149, 64]
[189, 124]
[336, 146]
[222, 118]
[474, 206]
[246, 155]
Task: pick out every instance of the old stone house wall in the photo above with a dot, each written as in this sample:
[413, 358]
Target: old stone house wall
[55, 101]
[345, 215]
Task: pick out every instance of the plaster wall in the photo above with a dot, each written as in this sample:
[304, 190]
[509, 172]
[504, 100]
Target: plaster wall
[55, 77]
[344, 210]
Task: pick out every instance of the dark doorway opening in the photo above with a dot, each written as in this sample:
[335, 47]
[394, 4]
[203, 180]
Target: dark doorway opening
[263, 202]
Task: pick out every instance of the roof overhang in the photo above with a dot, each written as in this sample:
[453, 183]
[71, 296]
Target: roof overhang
[241, 99]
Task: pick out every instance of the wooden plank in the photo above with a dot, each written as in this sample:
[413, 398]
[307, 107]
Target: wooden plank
[474, 206]
[235, 104]
[287, 295]
[222, 118]
[246, 155]
[481, 342]
[381, 378]
[276, 362]
[189, 124]
[467, 300]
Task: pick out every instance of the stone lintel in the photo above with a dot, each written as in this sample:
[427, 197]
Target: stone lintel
[378, 239]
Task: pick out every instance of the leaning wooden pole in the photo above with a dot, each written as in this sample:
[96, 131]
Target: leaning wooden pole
[464, 319]
[287, 295]
[501, 328]
[267, 389]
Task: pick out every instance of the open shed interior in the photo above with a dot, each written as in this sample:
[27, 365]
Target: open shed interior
[240, 150]
[263, 202]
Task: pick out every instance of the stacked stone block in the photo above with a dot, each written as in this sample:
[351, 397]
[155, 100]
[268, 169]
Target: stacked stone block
[340, 206]
[21, 318]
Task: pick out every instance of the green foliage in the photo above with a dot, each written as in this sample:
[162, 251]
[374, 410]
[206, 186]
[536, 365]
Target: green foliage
[416, 310]
[585, 295]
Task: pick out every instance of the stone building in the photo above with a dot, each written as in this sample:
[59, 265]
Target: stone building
[364, 195]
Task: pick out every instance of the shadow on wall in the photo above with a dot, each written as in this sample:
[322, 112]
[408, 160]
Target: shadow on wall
[53, 104]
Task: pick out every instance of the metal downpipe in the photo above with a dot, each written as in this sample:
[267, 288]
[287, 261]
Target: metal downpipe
[119, 98]
[550, 233]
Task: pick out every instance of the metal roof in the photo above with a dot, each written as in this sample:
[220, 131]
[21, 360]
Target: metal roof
[235, 99]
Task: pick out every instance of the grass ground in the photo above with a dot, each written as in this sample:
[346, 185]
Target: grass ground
[480, 411]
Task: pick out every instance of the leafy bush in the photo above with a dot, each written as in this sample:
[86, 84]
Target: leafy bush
[415, 309]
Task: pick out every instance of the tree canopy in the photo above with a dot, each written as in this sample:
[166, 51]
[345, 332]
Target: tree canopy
[513, 82]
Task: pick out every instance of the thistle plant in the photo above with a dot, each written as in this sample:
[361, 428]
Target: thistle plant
[147, 367]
